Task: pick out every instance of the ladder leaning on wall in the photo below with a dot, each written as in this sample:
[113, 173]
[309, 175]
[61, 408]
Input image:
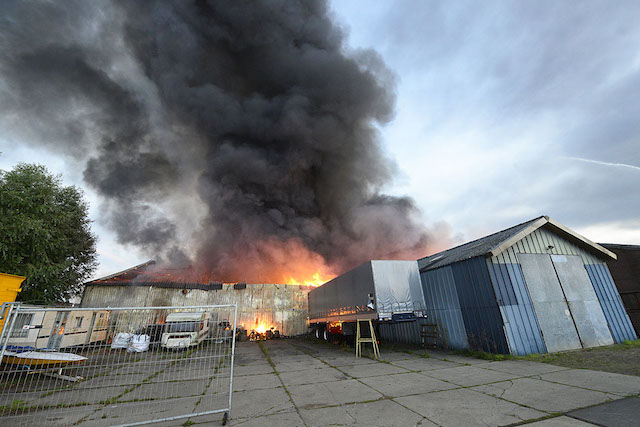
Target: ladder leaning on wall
[363, 340]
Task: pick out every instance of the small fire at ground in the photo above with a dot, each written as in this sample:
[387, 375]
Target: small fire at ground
[261, 332]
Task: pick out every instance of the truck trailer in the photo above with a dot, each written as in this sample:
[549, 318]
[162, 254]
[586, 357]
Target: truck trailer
[386, 292]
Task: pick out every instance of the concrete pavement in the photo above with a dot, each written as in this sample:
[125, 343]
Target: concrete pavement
[320, 384]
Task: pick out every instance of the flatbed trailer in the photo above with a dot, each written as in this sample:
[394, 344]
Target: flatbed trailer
[380, 290]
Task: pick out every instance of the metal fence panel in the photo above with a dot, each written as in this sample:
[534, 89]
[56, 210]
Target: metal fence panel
[116, 366]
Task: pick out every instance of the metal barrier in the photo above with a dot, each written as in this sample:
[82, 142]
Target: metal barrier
[116, 366]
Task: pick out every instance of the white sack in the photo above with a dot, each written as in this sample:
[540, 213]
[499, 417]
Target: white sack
[121, 340]
[139, 343]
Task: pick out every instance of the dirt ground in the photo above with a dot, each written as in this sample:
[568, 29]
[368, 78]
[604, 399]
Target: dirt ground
[620, 358]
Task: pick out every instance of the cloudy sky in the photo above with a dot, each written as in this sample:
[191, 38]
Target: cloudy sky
[505, 111]
[509, 110]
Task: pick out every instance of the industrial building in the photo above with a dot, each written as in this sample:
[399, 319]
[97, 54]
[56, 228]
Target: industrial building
[626, 275]
[264, 306]
[536, 287]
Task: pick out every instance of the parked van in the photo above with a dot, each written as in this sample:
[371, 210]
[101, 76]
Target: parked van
[185, 329]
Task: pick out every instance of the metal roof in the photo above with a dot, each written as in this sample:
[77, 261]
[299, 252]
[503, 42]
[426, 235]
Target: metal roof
[495, 243]
[128, 274]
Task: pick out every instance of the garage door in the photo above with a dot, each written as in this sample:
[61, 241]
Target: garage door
[583, 302]
[558, 330]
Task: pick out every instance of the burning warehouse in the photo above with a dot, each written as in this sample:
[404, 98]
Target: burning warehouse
[262, 308]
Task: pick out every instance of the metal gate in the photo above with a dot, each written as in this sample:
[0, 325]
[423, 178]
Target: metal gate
[116, 366]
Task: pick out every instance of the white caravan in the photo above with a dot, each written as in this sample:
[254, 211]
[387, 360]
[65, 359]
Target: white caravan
[185, 329]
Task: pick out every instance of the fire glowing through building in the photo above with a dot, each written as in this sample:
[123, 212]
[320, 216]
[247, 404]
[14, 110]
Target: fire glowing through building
[265, 310]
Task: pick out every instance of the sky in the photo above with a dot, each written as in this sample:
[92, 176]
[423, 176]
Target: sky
[505, 111]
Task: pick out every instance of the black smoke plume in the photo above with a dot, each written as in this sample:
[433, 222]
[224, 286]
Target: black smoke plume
[238, 135]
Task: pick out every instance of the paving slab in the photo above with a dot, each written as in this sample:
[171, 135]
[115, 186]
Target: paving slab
[379, 413]
[239, 371]
[468, 376]
[300, 366]
[464, 407]
[51, 417]
[545, 396]
[332, 393]
[562, 421]
[373, 370]
[122, 413]
[464, 360]
[71, 396]
[143, 368]
[524, 368]
[341, 361]
[423, 364]
[625, 385]
[406, 384]
[111, 380]
[187, 374]
[166, 390]
[392, 356]
[291, 358]
[257, 403]
[289, 419]
[256, 382]
[8, 397]
[619, 413]
[312, 376]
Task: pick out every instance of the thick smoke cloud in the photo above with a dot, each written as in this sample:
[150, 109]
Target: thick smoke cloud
[239, 135]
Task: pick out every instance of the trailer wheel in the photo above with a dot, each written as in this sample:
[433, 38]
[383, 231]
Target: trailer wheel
[325, 334]
[318, 336]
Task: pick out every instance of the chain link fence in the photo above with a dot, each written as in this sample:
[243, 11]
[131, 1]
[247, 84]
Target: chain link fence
[116, 366]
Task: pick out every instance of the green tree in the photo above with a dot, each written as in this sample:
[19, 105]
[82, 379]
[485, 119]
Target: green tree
[45, 234]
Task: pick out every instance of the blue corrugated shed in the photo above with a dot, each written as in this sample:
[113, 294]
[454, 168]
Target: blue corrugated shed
[478, 289]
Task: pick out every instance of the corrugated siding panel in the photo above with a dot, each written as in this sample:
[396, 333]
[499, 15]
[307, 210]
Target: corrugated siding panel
[479, 307]
[611, 303]
[401, 332]
[443, 307]
[539, 241]
[520, 322]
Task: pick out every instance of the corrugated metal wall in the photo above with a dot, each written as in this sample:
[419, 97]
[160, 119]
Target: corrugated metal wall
[521, 326]
[617, 317]
[480, 311]
[401, 332]
[523, 331]
[443, 307]
[281, 306]
[539, 241]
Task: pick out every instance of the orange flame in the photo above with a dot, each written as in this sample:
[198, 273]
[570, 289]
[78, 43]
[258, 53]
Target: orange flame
[316, 280]
[261, 328]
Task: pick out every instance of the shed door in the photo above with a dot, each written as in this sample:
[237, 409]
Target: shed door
[549, 303]
[583, 302]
